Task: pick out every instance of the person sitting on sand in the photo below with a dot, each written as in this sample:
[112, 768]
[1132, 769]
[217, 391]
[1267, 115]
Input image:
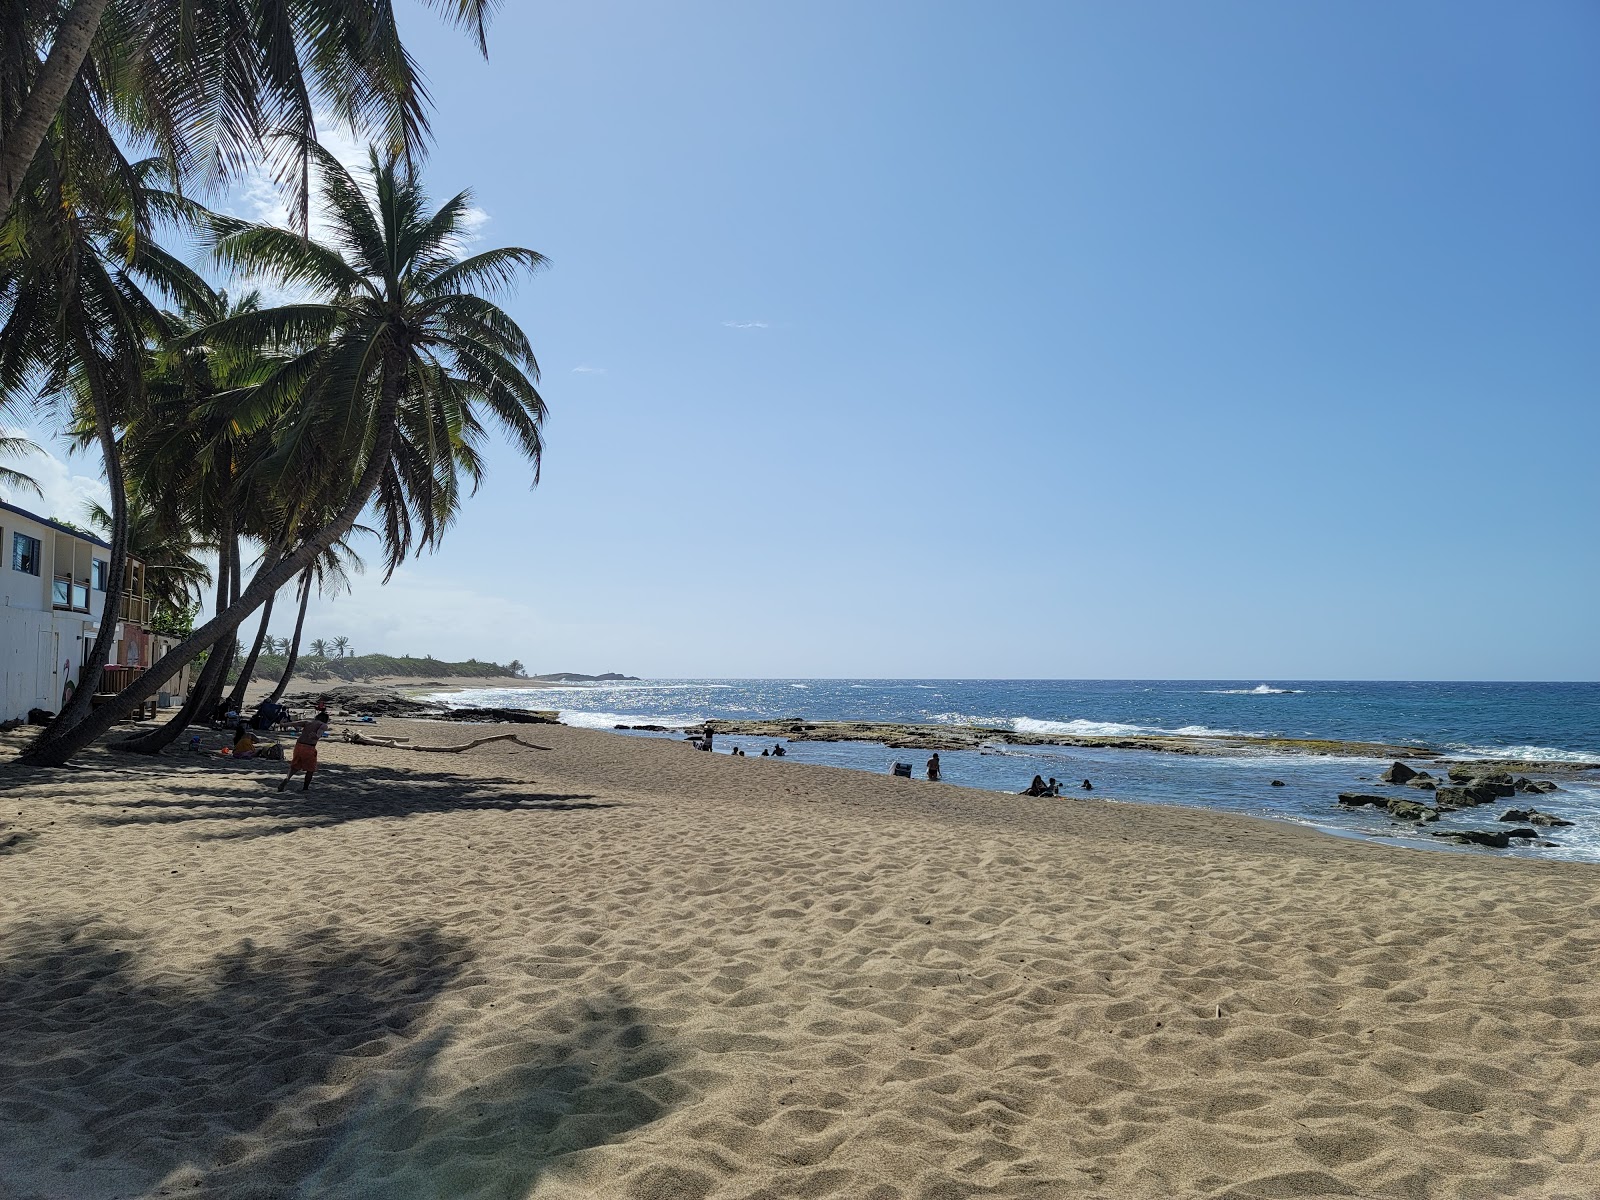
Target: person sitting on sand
[244, 742]
[933, 768]
[305, 749]
[1036, 788]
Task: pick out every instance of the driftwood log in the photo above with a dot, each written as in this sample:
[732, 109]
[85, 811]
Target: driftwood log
[390, 743]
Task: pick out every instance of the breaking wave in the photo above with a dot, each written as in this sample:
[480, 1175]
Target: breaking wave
[1082, 728]
[1261, 689]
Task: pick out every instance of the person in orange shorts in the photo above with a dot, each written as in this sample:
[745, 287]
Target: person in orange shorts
[305, 749]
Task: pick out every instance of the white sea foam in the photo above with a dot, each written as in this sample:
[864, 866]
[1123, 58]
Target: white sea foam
[1546, 753]
[1261, 689]
[1083, 728]
[606, 720]
[805, 687]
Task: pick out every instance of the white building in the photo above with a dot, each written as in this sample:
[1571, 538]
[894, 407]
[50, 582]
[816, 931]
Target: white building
[52, 594]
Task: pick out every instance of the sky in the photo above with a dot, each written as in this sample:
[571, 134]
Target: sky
[1055, 340]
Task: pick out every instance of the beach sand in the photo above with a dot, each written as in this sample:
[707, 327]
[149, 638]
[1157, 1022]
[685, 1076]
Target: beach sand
[618, 968]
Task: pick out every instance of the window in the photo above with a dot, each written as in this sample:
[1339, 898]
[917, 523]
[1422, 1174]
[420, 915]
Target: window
[24, 554]
[99, 574]
[61, 593]
[80, 595]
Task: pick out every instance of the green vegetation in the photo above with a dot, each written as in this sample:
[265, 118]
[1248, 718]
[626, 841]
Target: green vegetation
[355, 668]
[258, 434]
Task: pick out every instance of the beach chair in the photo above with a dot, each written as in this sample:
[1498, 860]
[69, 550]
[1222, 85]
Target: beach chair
[902, 770]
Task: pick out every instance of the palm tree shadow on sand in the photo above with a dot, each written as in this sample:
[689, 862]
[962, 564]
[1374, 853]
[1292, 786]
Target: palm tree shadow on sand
[213, 798]
[312, 1067]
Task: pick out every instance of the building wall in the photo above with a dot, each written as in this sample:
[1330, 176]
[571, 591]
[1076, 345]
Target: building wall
[41, 648]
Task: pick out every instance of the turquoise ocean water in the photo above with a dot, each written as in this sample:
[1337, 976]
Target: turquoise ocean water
[1525, 720]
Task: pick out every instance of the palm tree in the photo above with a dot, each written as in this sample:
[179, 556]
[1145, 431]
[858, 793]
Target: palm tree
[319, 648]
[174, 577]
[341, 644]
[331, 575]
[206, 81]
[74, 254]
[16, 447]
[399, 344]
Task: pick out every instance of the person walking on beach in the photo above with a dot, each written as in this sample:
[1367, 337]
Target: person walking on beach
[305, 749]
[933, 768]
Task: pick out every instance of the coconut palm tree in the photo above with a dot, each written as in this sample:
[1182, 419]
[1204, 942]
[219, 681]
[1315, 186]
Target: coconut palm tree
[75, 256]
[207, 81]
[319, 648]
[400, 341]
[10, 477]
[330, 574]
[174, 575]
[341, 644]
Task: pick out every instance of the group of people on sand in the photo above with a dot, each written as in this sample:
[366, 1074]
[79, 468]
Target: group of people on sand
[304, 758]
[1051, 787]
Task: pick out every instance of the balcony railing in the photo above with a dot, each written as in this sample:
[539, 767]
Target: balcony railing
[135, 609]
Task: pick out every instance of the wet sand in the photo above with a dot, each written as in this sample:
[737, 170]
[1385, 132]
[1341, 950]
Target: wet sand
[615, 967]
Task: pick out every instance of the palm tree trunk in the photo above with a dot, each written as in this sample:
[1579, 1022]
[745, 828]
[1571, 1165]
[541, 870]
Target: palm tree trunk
[236, 697]
[294, 646]
[55, 752]
[50, 87]
[203, 688]
[76, 709]
[230, 649]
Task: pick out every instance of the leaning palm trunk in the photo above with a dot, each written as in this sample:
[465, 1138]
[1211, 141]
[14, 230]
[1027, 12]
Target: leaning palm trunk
[294, 646]
[53, 752]
[81, 704]
[236, 697]
[200, 693]
[68, 49]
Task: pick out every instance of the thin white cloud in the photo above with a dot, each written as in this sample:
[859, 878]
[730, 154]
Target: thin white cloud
[747, 324]
[587, 370]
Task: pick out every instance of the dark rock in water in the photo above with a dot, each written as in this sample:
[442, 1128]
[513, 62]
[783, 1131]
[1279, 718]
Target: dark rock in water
[1411, 810]
[1526, 835]
[1466, 797]
[1360, 800]
[1544, 786]
[1514, 814]
[1495, 839]
[1277, 783]
[1479, 773]
[1398, 773]
[1423, 783]
[518, 716]
[1424, 774]
[1535, 817]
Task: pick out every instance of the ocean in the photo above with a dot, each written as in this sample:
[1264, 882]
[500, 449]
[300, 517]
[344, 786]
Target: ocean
[1551, 721]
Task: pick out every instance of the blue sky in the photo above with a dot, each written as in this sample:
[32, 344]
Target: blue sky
[1058, 340]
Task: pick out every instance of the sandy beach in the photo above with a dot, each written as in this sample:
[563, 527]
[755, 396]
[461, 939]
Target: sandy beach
[613, 967]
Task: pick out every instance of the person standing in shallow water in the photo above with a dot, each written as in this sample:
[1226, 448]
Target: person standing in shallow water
[933, 768]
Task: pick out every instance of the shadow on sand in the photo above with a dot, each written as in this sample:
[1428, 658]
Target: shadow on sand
[306, 1068]
[243, 801]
